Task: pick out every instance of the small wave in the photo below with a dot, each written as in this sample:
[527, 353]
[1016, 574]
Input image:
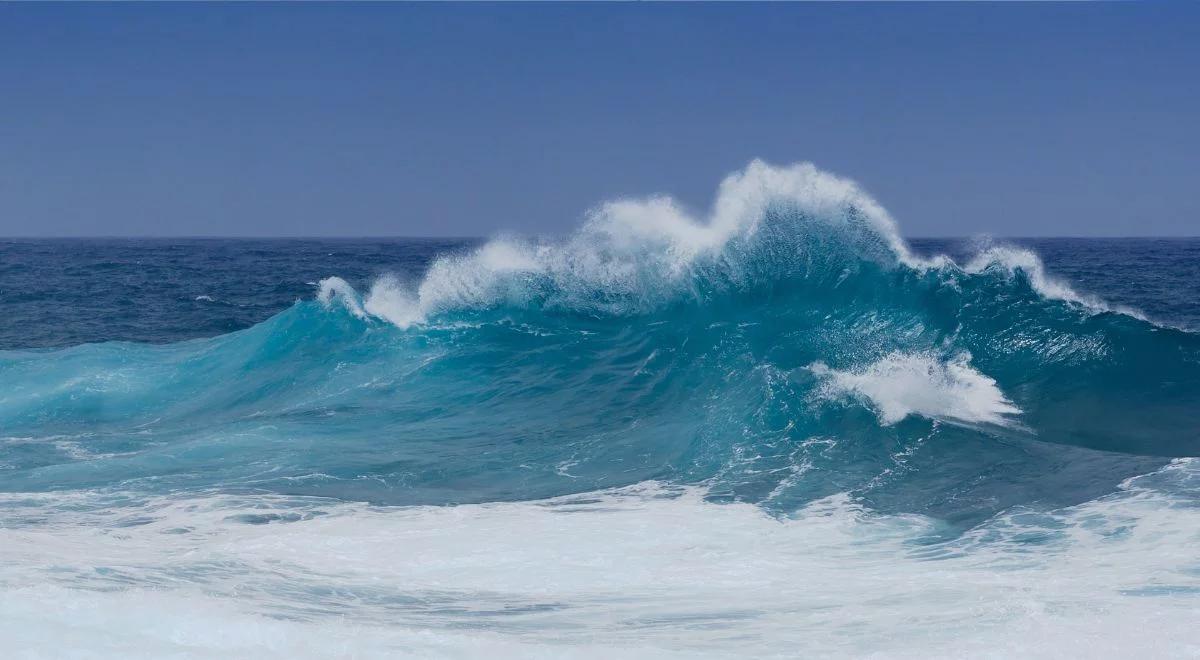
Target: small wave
[1010, 260]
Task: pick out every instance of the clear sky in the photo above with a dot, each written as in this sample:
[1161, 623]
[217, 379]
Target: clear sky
[468, 119]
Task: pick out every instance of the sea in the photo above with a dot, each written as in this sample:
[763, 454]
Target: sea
[780, 429]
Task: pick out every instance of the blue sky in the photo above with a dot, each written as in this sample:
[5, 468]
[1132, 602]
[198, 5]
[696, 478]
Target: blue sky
[468, 119]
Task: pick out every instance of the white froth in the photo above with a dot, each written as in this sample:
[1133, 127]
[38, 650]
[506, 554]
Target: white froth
[900, 385]
[1009, 259]
[335, 289]
[646, 571]
[393, 302]
[638, 248]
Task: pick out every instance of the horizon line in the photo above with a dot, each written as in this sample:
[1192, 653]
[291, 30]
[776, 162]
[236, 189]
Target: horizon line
[402, 237]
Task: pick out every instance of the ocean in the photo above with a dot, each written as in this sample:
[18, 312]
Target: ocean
[781, 430]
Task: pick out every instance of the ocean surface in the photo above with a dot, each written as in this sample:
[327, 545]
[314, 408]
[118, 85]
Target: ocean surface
[778, 430]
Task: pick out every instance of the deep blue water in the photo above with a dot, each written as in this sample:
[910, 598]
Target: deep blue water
[398, 418]
[73, 291]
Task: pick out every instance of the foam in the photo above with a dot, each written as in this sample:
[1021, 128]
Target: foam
[899, 385]
[635, 253]
[393, 302]
[333, 289]
[645, 571]
[1010, 260]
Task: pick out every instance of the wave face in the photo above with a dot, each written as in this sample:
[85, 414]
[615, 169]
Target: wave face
[788, 348]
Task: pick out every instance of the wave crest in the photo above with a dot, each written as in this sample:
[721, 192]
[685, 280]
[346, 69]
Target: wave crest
[767, 224]
[632, 255]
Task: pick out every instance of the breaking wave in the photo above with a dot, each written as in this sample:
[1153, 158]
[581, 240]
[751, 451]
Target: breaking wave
[776, 420]
[787, 347]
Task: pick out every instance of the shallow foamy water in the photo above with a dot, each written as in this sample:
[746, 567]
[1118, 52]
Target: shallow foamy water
[650, 570]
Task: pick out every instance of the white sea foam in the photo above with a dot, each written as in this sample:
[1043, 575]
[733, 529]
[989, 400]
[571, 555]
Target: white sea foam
[636, 248]
[333, 289]
[647, 571]
[899, 385]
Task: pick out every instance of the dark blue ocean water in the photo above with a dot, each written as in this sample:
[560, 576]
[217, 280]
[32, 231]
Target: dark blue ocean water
[783, 431]
[74, 291]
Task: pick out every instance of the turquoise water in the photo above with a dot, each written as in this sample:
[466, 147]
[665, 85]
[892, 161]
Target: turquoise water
[778, 429]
